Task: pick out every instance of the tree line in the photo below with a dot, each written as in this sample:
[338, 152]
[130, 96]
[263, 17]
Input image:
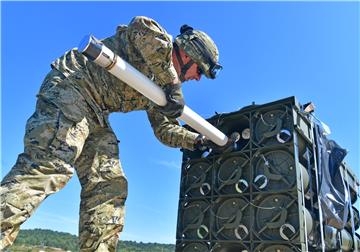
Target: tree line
[49, 241]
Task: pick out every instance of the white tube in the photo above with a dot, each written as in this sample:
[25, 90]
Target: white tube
[104, 57]
[128, 74]
[204, 127]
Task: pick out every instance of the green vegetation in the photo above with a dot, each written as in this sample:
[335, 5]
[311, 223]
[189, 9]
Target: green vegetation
[53, 241]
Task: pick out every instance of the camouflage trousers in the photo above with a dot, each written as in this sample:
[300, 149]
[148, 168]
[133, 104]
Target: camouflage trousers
[54, 146]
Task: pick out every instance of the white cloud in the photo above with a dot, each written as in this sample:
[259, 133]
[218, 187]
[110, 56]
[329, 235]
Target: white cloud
[169, 164]
[57, 218]
[52, 221]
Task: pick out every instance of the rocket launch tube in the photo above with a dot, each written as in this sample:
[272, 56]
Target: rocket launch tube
[97, 52]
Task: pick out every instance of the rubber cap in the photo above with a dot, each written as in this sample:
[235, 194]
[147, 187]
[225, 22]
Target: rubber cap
[84, 43]
[90, 47]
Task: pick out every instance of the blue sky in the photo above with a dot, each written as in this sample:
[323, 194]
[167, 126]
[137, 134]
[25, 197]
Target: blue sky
[269, 50]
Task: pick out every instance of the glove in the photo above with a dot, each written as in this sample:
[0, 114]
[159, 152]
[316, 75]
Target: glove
[175, 101]
[204, 144]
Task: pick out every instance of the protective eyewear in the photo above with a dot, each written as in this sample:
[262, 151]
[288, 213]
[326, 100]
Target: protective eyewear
[214, 70]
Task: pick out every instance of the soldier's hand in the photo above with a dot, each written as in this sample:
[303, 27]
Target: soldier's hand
[202, 143]
[175, 101]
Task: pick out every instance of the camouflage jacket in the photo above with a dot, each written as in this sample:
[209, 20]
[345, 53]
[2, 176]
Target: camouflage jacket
[147, 47]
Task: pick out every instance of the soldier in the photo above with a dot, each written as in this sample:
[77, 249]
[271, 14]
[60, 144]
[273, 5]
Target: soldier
[70, 127]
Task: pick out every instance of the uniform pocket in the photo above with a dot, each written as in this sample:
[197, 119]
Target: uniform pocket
[41, 127]
[49, 130]
[69, 138]
[69, 100]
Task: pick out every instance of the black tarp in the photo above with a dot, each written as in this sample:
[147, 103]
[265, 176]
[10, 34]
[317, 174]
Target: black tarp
[333, 194]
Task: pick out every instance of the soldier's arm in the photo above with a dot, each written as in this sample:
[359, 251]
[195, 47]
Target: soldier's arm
[170, 132]
[155, 46]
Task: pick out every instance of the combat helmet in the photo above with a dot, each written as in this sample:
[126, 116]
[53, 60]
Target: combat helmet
[201, 49]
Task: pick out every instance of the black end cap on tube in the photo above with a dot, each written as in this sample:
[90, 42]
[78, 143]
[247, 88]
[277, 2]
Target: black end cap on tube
[90, 47]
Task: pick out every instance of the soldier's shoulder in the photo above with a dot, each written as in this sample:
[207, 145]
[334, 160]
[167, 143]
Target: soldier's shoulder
[142, 21]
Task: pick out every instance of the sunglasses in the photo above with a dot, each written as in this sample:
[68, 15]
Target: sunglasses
[214, 70]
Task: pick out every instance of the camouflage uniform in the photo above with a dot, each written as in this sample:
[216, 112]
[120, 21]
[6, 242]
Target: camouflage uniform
[70, 129]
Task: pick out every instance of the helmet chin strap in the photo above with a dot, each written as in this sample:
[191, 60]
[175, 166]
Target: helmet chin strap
[184, 67]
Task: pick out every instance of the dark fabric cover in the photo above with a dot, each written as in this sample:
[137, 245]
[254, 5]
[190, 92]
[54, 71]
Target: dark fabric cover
[333, 194]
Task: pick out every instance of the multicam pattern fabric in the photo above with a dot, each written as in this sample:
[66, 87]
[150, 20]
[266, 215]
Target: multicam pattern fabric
[70, 129]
